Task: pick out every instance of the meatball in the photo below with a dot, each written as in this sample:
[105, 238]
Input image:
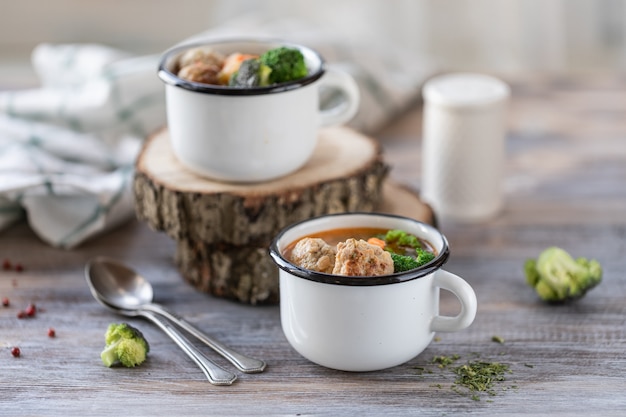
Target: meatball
[359, 258]
[205, 55]
[200, 72]
[314, 254]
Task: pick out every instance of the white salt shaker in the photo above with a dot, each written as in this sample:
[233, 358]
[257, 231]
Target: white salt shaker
[464, 133]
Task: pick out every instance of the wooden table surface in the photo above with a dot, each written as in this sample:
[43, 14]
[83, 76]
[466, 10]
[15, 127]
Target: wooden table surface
[565, 185]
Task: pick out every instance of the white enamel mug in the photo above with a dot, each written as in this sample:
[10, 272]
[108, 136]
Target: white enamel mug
[251, 134]
[366, 323]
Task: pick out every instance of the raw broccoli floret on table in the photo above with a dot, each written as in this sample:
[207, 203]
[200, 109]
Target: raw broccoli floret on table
[557, 277]
[124, 344]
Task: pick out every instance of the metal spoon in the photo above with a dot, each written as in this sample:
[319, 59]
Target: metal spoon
[215, 374]
[120, 288]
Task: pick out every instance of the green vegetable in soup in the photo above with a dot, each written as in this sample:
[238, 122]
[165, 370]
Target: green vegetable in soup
[557, 277]
[406, 250]
[287, 64]
[403, 263]
[424, 256]
[251, 73]
[402, 238]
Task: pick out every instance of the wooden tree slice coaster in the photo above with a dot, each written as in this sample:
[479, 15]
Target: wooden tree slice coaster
[223, 230]
[344, 174]
[247, 274]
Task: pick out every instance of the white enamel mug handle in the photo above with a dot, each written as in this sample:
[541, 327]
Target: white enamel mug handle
[346, 110]
[464, 292]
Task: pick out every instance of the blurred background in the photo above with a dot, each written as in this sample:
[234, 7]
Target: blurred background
[497, 36]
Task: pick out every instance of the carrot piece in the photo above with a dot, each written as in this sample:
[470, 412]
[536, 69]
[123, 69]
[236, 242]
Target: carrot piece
[377, 242]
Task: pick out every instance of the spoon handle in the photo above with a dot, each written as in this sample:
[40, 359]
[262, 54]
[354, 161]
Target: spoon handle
[242, 362]
[215, 374]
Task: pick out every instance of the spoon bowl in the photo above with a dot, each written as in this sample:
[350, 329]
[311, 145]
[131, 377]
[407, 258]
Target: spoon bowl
[118, 286]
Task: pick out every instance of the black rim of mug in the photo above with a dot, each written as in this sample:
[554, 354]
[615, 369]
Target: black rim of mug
[424, 270]
[168, 77]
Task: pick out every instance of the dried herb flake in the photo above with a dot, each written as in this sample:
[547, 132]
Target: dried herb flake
[479, 375]
[443, 361]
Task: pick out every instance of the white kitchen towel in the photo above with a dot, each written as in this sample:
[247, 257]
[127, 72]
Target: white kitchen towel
[67, 148]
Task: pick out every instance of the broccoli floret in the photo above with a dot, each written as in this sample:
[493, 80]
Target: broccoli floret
[402, 238]
[397, 241]
[124, 344]
[424, 256]
[557, 277]
[287, 64]
[251, 73]
[403, 263]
